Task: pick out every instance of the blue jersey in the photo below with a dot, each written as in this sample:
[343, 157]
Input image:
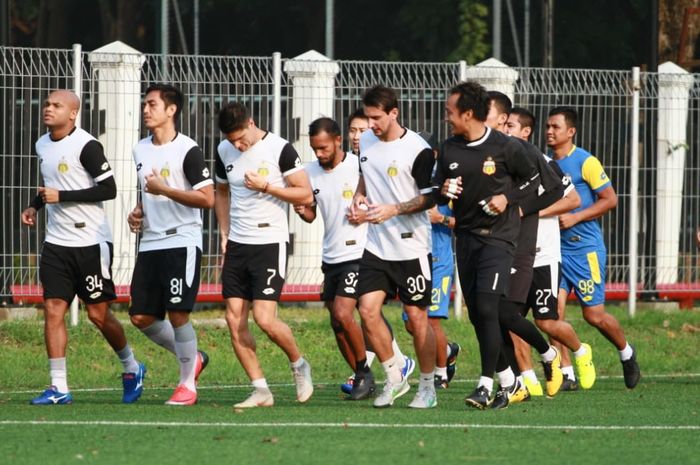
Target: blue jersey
[589, 177]
[442, 241]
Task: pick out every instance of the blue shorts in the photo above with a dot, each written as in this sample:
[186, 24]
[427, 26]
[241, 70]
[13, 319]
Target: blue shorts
[585, 273]
[440, 294]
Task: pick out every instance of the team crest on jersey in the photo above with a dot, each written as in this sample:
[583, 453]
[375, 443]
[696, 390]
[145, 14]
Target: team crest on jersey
[263, 170]
[63, 166]
[165, 171]
[489, 167]
[347, 192]
[393, 169]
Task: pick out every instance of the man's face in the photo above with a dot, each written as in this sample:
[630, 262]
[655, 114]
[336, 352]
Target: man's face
[380, 121]
[515, 129]
[557, 132]
[496, 120]
[456, 120]
[155, 112]
[355, 130]
[326, 147]
[58, 110]
[242, 139]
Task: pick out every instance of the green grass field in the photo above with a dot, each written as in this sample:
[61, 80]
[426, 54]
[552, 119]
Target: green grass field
[658, 422]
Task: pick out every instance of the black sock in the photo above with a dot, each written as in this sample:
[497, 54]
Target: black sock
[361, 366]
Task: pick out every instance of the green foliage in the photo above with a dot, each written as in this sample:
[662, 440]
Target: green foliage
[473, 32]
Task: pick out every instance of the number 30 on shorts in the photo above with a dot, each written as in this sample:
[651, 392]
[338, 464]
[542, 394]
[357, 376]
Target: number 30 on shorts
[416, 284]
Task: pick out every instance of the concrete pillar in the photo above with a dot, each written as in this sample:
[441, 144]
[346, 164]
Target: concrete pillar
[312, 96]
[494, 75]
[116, 68]
[671, 148]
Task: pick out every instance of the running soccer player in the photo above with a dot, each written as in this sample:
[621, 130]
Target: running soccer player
[175, 185]
[542, 297]
[582, 248]
[76, 257]
[257, 174]
[512, 306]
[395, 188]
[485, 174]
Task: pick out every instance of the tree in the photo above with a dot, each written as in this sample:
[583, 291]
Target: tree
[473, 32]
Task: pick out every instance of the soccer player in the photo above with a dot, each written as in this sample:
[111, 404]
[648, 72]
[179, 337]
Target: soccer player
[582, 249]
[512, 305]
[77, 254]
[395, 188]
[175, 185]
[257, 174]
[484, 173]
[357, 124]
[542, 296]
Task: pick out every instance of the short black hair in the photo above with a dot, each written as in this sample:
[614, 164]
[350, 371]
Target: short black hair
[569, 113]
[381, 97]
[233, 117]
[170, 94]
[324, 124]
[501, 101]
[472, 96]
[525, 117]
[358, 113]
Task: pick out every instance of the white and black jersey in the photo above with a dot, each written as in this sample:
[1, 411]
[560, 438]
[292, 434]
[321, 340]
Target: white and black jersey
[168, 224]
[74, 166]
[548, 245]
[493, 164]
[333, 191]
[395, 172]
[256, 217]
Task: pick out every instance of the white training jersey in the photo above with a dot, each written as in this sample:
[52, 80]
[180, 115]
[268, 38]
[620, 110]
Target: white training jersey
[548, 245]
[73, 224]
[333, 191]
[396, 172]
[257, 217]
[168, 224]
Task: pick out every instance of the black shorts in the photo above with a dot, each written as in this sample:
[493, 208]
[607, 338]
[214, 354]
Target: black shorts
[254, 271]
[165, 280]
[543, 297]
[483, 266]
[520, 278]
[340, 280]
[412, 278]
[85, 271]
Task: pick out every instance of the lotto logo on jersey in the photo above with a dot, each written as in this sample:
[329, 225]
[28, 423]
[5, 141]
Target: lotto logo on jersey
[347, 192]
[453, 165]
[229, 168]
[393, 169]
[205, 172]
[105, 166]
[139, 166]
[489, 167]
[63, 166]
[165, 171]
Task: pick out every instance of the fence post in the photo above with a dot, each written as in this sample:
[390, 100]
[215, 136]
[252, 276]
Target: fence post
[276, 93]
[116, 70]
[634, 196]
[78, 90]
[313, 94]
[674, 87]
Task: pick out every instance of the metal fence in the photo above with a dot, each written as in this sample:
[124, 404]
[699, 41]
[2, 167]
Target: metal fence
[286, 94]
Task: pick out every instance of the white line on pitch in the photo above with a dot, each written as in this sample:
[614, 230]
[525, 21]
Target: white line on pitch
[349, 425]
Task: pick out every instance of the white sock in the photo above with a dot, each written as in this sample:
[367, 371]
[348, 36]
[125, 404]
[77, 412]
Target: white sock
[426, 380]
[569, 372]
[261, 384]
[530, 374]
[297, 364]
[58, 374]
[626, 353]
[161, 332]
[581, 351]
[398, 354]
[370, 358]
[486, 382]
[506, 377]
[549, 355]
[129, 363]
[441, 372]
[186, 350]
[392, 370]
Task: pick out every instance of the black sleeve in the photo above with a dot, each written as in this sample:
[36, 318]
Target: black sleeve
[289, 159]
[422, 170]
[219, 167]
[93, 159]
[439, 178]
[194, 167]
[523, 172]
[37, 203]
[552, 185]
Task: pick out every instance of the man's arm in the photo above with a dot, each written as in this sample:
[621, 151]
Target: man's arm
[197, 174]
[306, 212]
[606, 201]
[564, 205]
[222, 206]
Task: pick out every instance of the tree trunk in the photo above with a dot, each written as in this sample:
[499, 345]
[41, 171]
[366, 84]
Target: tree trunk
[671, 13]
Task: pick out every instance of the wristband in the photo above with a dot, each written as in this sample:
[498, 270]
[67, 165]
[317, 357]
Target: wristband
[264, 189]
[445, 220]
